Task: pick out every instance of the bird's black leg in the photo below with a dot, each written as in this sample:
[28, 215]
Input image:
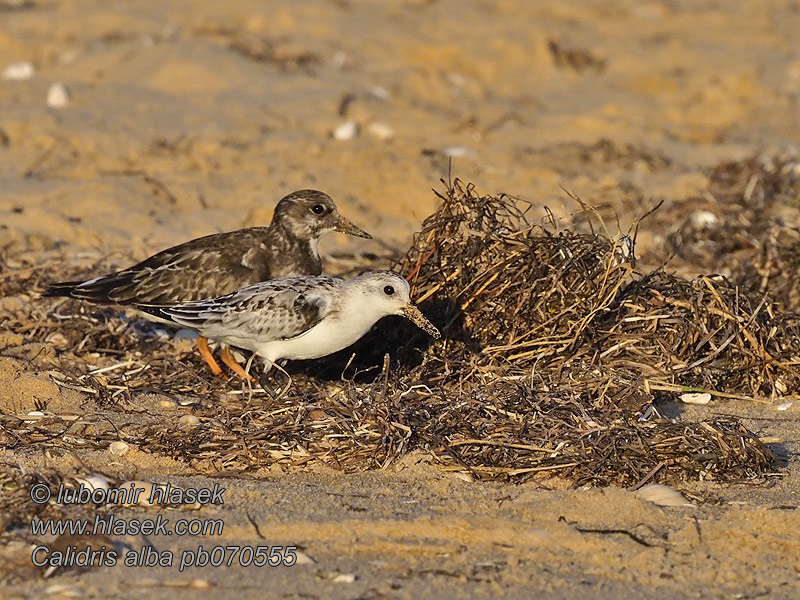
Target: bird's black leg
[266, 376]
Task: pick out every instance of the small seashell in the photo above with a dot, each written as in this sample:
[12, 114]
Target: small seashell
[199, 584]
[780, 387]
[164, 403]
[144, 496]
[68, 57]
[58, 96]
[380, 92]
[347, 130]
[382, 131]
[456, 151]
[344, 578]
[19, 71]
[784, 406]
[93, 482]
[189, 420]
[457, 79]
[118, 448]
[303, 558]
[339, 59]
[770, 440]
[63, 591]
[662, 495]
[703, 219]
[696, 398]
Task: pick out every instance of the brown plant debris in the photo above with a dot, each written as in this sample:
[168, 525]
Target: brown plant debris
[745, 227]
[555, 356]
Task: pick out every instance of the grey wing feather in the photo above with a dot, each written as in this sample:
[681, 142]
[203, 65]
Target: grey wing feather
[273, 310]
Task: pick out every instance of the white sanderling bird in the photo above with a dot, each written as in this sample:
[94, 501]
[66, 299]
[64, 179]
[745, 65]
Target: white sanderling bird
[215, 265]
[298, 317]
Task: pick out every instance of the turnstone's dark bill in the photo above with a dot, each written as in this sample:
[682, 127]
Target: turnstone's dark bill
[221, 263]
[299, 317]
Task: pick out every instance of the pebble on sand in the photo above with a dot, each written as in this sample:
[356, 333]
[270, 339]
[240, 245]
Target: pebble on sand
[118, 448]
[662, 495]
[58, 96]
[696, 398]
[189, 420]
[381, 130]
[347, 130]
[19, 71]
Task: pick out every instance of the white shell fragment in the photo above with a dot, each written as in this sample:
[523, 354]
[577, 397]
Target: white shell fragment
[93, 482]
[784, 405]
[118, 448]
[58, 96]
[303, 558]
[143, 498]
[344, 578]
[662, 495]
[703, 219]
[189, 420]
[456, 151]
[347, 130]
[381, 130]
[18, 71]
[60, 590]
[696, 398]
[380, 92]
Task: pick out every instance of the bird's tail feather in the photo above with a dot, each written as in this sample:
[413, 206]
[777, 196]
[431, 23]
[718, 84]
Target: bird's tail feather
[64, 288]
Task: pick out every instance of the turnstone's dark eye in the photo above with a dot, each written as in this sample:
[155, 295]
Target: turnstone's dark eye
[388, 290]
[318, 209]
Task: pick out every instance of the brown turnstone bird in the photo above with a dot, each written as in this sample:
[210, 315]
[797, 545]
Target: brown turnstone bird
[215, 265]
[298, 318]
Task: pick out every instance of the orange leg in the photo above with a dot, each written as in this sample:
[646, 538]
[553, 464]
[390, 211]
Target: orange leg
[202, 347]
[227, 357]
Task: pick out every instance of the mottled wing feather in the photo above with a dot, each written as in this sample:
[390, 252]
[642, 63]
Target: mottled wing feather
[273, 310]
[202, 268]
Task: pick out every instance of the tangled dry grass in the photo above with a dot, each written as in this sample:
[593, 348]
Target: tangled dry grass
[554, 358]
[745, 227]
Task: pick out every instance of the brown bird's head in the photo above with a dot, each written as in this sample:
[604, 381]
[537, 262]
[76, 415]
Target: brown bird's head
[309, 214]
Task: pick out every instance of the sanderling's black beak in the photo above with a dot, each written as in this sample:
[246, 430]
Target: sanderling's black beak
[347, 227]
[413, 314]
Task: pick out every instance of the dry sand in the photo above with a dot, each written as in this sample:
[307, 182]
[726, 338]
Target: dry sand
[187, 118]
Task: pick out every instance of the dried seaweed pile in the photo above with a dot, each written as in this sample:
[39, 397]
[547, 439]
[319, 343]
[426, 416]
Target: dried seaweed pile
[706, 334]
[745, 227]
[518, 291]
[552, 353]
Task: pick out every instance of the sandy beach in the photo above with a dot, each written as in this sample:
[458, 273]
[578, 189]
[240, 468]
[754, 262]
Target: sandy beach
[128, 127]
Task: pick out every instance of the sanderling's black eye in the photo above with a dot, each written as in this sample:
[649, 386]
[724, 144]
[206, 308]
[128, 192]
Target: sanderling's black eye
[388, 290]
[318, 209]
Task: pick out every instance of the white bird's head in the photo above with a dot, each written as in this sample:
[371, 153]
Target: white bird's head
[390, 294]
